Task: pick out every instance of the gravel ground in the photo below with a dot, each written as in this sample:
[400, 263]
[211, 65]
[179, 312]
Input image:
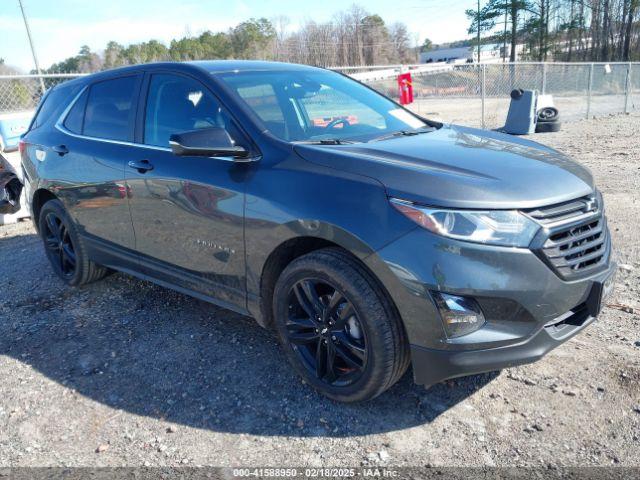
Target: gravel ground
[123, 372]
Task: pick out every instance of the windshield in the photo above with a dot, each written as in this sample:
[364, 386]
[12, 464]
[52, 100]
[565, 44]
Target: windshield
[298, 105]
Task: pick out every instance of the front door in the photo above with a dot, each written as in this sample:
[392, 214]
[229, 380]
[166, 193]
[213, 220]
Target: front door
[187, 212]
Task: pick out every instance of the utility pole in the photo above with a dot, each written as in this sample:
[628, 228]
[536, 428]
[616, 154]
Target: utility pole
[33, 50]
[504, 40]
[478, 22]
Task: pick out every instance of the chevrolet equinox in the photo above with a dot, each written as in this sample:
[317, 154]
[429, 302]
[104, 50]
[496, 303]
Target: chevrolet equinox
[369, 238]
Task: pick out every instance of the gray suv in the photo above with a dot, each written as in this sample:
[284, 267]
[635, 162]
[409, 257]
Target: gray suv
[367, 237]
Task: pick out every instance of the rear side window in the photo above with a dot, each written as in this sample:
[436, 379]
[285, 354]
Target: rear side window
[75, 117]
[53, 103]
[109, 110]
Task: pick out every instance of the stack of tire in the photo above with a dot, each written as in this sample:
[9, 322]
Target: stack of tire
[548, 120]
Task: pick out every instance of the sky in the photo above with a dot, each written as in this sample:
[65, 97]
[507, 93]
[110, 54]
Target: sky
[61, 27]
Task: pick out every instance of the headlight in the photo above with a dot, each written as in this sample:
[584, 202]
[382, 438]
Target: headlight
[494, 227]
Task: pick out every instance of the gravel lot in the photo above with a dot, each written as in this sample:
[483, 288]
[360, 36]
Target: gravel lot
[123, 372]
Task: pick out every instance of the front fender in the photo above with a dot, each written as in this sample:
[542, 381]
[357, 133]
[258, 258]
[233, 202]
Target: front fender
[298, 199]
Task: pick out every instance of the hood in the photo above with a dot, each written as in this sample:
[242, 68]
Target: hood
[461, 167]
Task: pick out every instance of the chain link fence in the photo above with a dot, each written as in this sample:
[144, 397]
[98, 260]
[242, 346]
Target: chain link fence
[469, 94]
[23, 92]
[479, 95]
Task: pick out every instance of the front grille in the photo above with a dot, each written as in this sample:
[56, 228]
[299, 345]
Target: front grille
[575, 239]
[566, 211]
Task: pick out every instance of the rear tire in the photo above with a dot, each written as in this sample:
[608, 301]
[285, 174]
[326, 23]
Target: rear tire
[326, 301]
[64, 247]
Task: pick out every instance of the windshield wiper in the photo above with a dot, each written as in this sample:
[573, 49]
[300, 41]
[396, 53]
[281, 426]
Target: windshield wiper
[325, 141]
[401, 133]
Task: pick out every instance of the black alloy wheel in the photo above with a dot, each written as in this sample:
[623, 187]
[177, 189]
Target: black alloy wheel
[59, 246]
[325, 332]
[337, 328]
[64, 247]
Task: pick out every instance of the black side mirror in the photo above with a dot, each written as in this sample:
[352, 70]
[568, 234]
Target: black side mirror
[206, 142]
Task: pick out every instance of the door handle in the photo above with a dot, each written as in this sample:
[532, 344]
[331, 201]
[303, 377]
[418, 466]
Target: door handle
[141, 166]
[61, 150]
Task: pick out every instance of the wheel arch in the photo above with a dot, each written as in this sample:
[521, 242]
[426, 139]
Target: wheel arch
[292, 248]
[39, 198]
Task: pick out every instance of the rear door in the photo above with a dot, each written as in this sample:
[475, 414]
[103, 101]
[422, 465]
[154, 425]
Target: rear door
[90, 159]
[187, 212]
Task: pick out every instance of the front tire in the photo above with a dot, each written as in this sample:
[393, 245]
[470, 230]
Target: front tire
[64, 248]
[337, 328]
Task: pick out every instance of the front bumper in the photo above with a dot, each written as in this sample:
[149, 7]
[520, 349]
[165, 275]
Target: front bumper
[432, 366]
[528, 308]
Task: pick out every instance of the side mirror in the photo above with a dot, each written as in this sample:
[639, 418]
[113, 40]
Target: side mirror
[206, 142]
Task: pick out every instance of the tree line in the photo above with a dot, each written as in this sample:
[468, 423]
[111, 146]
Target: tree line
[352, 37]
[561, 30]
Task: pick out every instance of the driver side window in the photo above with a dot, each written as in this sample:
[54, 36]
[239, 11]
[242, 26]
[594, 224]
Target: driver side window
[178, 104]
